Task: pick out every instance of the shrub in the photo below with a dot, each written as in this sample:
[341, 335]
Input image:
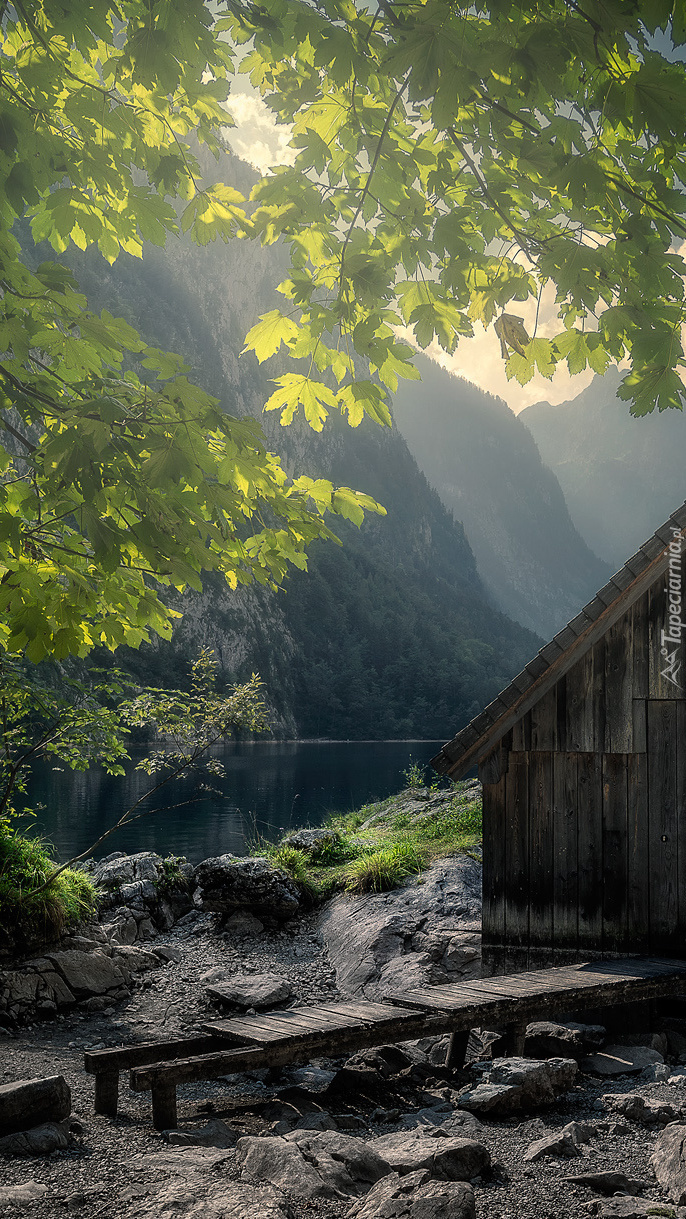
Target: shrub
[28, 918]
[377, 871]
[332, 850]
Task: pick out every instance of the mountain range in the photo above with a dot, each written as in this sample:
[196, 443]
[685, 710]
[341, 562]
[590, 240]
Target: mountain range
[621, 476]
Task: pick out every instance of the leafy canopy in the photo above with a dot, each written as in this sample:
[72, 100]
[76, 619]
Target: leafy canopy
[111, 487]
[455, 159]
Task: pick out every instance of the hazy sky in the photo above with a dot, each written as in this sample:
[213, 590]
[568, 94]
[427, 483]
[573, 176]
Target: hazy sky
[257, 139]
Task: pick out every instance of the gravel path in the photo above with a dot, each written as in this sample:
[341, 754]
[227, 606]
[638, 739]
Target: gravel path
[108, 1174]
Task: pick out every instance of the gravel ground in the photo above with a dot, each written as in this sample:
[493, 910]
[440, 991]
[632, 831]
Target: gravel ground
[102, 1175]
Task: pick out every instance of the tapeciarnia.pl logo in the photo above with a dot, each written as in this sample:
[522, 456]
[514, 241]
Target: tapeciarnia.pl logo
[671, 639]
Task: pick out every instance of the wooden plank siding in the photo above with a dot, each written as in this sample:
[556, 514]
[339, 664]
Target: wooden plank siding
[585, 833]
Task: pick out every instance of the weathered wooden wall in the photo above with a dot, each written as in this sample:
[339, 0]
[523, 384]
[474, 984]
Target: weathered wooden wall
[585, 810]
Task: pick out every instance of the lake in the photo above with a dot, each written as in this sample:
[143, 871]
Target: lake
[269, 787]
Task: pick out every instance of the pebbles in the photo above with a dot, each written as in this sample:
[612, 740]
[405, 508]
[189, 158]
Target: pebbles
[112, 1169]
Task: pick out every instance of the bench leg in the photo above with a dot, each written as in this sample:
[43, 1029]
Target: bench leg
[164, 1106]
[511, 1044]
[457, 1050]
[107, 1092]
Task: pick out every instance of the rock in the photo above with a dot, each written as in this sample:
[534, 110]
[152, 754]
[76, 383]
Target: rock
[656, 1073]
[669, 1162]
[640, 1109]
[313, 1079]
[21, 1195]
[636, 1208]
[415, 1196]
[242, 923]
[384, 942]
[227, 884]
[58, 989]
[512, 1084]
[87, 973]
[579, 1132]
[311, 841]
[39, 1141]
[455, 1121]
[166, 953]
[323, 1164]
[29, 1102]
[559, 1144]
[190, 1184]
[620, 1060]
[593, 1036]
[252, 990]
[497, 1099]
[445, 1158]
[215, 1134]
[608, 1182]
[544, 1039]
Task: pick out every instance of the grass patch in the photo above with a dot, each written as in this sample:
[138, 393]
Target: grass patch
[401, 841]
[28, 919]
[378, 871]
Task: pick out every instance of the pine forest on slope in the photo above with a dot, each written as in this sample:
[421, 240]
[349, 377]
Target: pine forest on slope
[391, 635]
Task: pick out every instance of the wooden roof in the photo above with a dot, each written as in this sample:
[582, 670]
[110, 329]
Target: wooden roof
[540, 674]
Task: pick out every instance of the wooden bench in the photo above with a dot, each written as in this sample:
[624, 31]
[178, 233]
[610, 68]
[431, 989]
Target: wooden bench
[245, 1043]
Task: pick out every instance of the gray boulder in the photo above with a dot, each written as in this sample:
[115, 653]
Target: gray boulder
[323, 1164]
[30, 1102]
[639, 1108]
[414, 935]
[251, 990]
[21, 1195]
[544, 1039]
[243, 925]
[609, 1182]
[87, 973]
[191, 1183]
[227, 884]
[636, 1208]
[620, 1060]
[513, 1084]
[560, 1144]
[415, 1196]
[669, 1162]
[214, 1134]
[39, 1141]
[311, 841]
[446, 1158]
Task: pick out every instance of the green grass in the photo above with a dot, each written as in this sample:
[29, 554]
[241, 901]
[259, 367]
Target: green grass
[28, 919]
[378, 858]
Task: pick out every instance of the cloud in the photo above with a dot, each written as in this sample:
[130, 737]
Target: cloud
[257, 138]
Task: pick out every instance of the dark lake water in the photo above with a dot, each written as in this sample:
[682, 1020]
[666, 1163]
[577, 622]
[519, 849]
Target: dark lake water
[269, 787]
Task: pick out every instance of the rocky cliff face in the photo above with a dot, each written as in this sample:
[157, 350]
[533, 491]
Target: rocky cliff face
[621, 476]
[489, 474]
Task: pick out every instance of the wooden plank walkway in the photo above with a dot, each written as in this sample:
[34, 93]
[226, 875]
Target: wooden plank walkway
[275, 1039]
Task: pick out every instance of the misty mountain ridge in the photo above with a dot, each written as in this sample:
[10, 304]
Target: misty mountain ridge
[486, 468]
[621, 475]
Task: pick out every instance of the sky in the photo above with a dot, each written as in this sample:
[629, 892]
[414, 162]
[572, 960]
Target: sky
[260, 141]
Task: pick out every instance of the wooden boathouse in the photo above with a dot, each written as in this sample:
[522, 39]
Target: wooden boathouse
[583, 764]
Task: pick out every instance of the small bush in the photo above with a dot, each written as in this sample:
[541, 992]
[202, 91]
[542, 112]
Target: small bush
[28, 918]
[378, 871]
[414, 776]
[332, 850]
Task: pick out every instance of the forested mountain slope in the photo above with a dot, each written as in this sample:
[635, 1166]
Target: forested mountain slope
[489, 473]
[390, 635]
[621, 475]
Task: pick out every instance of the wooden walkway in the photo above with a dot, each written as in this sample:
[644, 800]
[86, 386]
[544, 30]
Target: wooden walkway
[244, 1043]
